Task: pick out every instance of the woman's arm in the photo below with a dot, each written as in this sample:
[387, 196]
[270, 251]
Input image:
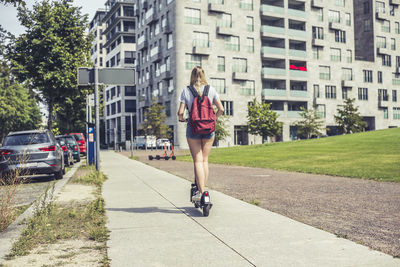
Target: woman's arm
[180, 112]
[220, 108]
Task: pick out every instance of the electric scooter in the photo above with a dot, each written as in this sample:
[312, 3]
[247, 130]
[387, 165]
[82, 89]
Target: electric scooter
[204, 203]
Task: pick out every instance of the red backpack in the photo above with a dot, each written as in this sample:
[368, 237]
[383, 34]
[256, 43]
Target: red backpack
[202, 116]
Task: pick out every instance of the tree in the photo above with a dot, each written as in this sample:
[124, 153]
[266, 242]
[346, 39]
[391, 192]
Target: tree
[51, 50]
[220, 129]
[349, 118]
[14, 2]
[154, 122]
[262, 120]
[311, 123]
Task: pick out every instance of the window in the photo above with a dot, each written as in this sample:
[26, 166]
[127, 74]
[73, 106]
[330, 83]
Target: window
[113, 108]
[168, 108]
[385, 26]
[380, 42]
[318, 32]
[246, 4]
[383, 95]
[397, 61]
[367, 76]
[339, 2]
[130, 105]
[362, 93]
[108, 110]
[201, 39]
[324, 72]
[394, 95]
[320, 14]
[393, 43]
[349, 56]
[219, 85]
[250, 24]
[347, 74]
[367, 25]
[345, 94]
[129, 57]
[380, 7]
[391, 9]
[247, 88]
[101, 62]
[192, 16]
[232, 43]
[316, 91]
[221, 63]
[379, 76]
[170, 42]
[239, 65]
[192, 61]
[250, 45]
[130, 91]
[316, 52]
[366, 7]
[330, 92]
[340, 36]
[119, 107]
[396, 113]
[224, 20]
[336, 55]
[334, 16]
[397, 27]
[228, 107]
[386, 60]
[347, 17]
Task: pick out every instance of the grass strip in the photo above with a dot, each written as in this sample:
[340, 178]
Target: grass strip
[369, 155]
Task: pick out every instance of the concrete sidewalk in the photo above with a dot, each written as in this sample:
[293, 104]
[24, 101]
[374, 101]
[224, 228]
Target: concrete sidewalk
[152, 223]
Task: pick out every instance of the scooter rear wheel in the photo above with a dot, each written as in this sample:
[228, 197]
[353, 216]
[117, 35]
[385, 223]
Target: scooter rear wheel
[196, 205]
[206, 210]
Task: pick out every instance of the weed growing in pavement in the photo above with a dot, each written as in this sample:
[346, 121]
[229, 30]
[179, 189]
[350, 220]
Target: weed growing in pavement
[93, 177]
[134, 158]
[254, 202]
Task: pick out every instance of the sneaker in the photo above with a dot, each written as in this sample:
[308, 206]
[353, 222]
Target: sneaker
[197, 197]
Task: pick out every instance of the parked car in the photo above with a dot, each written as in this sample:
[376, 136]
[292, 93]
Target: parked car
[71, 142]
[31, 152]
[143, 142]
[80, 139]
[68, 154]
[163, 142]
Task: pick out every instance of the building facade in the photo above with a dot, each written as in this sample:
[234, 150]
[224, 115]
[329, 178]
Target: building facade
[119, 49]
[291, 53]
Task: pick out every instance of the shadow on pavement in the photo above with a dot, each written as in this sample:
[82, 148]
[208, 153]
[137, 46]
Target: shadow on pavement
[190, 211]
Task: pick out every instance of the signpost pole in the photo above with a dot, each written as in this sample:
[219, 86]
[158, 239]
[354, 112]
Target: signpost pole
[131, 135]
[87, 126]
[97, 119]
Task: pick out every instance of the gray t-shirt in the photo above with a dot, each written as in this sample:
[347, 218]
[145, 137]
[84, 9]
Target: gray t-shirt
[187, 96]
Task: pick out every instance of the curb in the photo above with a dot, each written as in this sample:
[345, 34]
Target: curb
[14, 230]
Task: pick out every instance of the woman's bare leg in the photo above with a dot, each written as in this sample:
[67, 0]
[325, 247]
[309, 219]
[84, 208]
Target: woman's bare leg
[206, 145]
[197, 155]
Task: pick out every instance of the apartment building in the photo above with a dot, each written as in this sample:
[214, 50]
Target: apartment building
[291, 53]
[119, 49]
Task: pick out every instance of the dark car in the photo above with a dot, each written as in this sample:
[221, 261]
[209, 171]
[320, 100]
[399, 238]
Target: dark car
[68, 154]
[31, 152]
[80, 139]
[71, 142]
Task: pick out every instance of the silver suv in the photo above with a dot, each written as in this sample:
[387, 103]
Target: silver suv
[31, 152]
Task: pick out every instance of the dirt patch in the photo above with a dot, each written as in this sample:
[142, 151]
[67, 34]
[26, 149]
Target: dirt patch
[76, 193]
[63, 253]
[364, 211]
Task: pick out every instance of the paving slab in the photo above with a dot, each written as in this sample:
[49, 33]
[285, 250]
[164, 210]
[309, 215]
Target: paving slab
[152, 223]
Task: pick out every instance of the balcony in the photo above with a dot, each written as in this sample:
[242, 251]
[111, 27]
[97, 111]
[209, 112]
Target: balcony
[218, 8]
[317, 42]
[166, 75]
[382, 16]
[167, 29]
[273, 92]
[297, 33]
[299, 93]
[297, 53]
[150, 16]
[335, 26]
[397, 70]
[143, 45]
[395, 2]
[266, 30]
[265, 9]
[268, 72]
[226, 31]
[269, 50]
[348, 83]
[383, 101]
[383, 51]
[242, 76]
[201, 50]
[293, 114]
[317, 3]
[297, 13]
[298, 74]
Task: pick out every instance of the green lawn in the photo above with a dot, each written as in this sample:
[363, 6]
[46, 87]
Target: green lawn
[369, 155]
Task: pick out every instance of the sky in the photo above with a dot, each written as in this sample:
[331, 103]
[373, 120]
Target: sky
[9, 20]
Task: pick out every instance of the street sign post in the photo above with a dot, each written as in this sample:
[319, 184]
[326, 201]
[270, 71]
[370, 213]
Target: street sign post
[109, 76]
